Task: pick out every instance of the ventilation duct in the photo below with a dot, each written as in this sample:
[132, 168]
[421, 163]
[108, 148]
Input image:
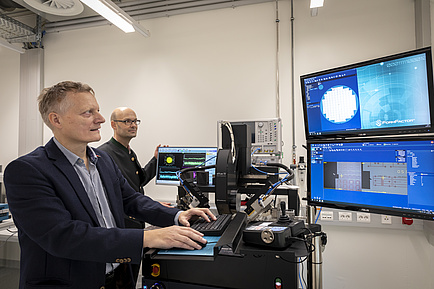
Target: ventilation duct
[57, 7]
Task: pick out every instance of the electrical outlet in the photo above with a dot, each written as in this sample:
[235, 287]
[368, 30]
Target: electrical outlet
[386, 219]
[326, 215]
[363, 217]
[345, 216]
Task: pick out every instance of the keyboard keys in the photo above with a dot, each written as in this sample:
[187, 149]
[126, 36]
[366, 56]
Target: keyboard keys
[213, 228]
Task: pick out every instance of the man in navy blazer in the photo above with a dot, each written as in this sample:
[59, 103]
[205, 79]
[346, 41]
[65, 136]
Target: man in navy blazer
[68, 202]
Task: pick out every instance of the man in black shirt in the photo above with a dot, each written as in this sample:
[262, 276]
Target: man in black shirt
[125, 124]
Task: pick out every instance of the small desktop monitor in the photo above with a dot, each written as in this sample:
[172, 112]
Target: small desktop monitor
[173, 159]
[386, 176]
[388, 95]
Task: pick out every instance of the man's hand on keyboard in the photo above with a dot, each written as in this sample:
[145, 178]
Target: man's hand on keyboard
[173, 237]
[185, 216]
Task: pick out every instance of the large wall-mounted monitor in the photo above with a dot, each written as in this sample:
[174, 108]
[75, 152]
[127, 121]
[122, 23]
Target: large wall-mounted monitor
[173, 159]
[388, 95]
[387, 176]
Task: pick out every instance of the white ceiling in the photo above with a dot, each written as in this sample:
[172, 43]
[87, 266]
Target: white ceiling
[45, 16]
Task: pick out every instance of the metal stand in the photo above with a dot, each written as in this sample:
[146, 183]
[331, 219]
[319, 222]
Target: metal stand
[314, 273]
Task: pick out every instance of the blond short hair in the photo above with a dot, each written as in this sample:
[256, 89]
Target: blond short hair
[52, 99]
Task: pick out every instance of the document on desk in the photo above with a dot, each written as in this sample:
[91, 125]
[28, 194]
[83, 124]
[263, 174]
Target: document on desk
[208, 250]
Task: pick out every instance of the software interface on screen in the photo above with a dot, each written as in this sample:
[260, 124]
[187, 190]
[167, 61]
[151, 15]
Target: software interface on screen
[397, 175]
[381, 95]
[173, 159]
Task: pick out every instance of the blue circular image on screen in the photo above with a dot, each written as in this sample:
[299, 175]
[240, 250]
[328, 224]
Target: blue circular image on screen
[339, 104]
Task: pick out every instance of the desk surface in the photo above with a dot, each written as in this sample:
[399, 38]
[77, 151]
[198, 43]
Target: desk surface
[7, 229]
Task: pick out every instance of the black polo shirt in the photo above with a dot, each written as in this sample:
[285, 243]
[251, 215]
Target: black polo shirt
[129, 165]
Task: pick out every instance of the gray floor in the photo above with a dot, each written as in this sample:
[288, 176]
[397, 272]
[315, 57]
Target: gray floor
[9, 277]
[139, 279]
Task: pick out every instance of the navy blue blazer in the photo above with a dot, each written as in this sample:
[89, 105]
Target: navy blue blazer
[62, 244]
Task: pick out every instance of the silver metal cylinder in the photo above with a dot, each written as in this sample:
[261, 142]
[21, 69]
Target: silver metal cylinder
[315, 261]
[316, 264]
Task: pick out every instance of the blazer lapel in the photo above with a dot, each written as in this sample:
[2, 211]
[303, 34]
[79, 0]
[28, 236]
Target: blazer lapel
[61, 162]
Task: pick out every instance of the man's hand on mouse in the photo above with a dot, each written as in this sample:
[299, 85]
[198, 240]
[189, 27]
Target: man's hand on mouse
[173, 237]
[179, 236]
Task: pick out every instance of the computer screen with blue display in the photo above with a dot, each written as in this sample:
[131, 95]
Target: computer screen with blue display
[389, 176]
[388, 95]
[173, 159]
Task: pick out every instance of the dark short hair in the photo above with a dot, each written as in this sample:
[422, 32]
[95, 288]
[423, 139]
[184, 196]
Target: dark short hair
[52, 98]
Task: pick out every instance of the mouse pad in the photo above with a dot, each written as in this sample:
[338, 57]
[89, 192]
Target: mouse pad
[208, 250]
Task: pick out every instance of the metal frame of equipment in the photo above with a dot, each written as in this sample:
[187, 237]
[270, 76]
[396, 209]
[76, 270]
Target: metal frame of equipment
[235, 264]
[239, 171]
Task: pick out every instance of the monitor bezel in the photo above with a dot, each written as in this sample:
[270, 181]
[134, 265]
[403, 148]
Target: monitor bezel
[380, 131]
[361, 207]
[177, 183]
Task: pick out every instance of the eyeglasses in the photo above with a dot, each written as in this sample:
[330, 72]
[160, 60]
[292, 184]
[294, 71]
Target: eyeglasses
[129, 121]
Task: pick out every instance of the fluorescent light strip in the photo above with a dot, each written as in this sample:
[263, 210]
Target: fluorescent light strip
[316, 3]
[111, 14]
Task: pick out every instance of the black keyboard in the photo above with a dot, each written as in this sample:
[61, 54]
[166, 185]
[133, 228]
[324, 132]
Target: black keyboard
[213, 228]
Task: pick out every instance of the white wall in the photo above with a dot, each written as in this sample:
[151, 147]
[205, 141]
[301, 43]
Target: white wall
[363, 257]
[194, 70]
[198, 68]
[9, 102]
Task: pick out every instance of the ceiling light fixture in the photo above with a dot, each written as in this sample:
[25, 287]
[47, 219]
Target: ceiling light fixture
[116, 15]
[316, 3]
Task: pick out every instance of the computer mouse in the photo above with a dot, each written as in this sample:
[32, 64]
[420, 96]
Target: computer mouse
[200, 243]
